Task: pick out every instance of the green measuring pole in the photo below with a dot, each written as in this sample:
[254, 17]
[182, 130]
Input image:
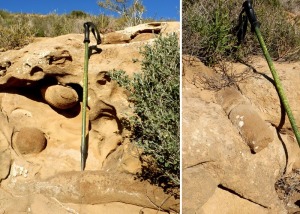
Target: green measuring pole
[84, 138]
[255, 27]
[84, 133]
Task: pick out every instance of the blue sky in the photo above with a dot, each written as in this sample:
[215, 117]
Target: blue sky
[167, 9]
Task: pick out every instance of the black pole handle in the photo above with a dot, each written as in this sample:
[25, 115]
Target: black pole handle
[90, 26]
[247, 5]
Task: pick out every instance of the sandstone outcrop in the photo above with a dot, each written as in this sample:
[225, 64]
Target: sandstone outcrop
[40, 133]
[140, 32]
[236, 140]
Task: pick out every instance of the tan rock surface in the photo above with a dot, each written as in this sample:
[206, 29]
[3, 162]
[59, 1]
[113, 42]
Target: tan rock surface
[115, 38]
[196, 191]
[51, 180]
[142, 32]
[214, 145]
[262, 93]
[40, 204]
[93, 187]
[5, 153]
[223, 202]
[143, 37]
[5, 158]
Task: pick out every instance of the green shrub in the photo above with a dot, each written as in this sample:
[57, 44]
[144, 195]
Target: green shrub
[78, 14]
[35, 25]
[4, 14]
[16, 35]
[130, 11]
[209, 30]
[291, 5]
[281, 36]
[155, 94]
[103, 22]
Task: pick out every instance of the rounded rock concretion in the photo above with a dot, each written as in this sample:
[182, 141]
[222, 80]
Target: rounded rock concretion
[61, 97]
[30, 141]
[252, 127]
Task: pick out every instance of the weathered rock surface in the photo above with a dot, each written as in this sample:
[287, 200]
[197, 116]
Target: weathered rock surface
[228, 203]
[198, 190]
[142, 32]
[143, 37]
[216, 145]
[50, 181]
[5, 159]
[116, 38]
[5, 153]
[96, 188]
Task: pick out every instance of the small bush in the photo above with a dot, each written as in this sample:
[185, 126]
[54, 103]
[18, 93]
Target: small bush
[78, 14]
[104, 23]
[209, 30]
[225, 76]
[291, 5]
[60, 25]
[16, 35]
[130, 11]
[288, 185]
[155, 94]
[35, 25]
[18, 30]
[4, 14]
[281, 36]
[206, 30]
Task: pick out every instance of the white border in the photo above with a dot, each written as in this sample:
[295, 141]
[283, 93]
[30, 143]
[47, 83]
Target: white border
[180, 91]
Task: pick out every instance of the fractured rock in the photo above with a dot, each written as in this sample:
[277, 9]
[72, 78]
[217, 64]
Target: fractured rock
[228, 203]
[99, 187]
[99, 108]
[199, 189]
[126, 159]
[143, 37]
[5, 156]
[59, 96]
[3, 67]
[215, 138]
[58, 57]
[5, 160]
[219, 150]
[30, 140]
[229, 98]
[115, 38]
[142, 32]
